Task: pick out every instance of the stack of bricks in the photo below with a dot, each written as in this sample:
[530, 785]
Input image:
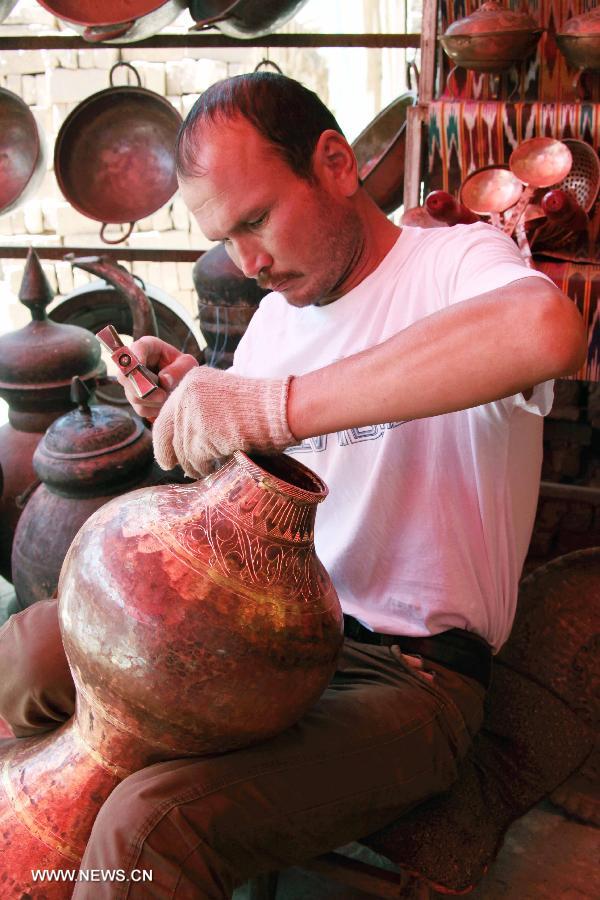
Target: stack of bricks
[52, 83]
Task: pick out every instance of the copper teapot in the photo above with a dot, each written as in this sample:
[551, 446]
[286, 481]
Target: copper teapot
[492, 39]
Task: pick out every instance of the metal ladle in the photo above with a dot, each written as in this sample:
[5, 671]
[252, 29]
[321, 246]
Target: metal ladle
[490, 191]
[538, 163]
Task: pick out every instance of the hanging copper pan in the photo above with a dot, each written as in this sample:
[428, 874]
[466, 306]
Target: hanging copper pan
[22, 158]
[115, 20]
[243, 18]
[380, 151]
[114, 157]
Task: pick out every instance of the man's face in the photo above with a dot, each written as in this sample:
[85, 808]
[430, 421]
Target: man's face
[297, 237]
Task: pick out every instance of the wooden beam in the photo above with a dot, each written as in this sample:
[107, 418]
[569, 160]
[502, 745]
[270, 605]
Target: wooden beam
[212, 41]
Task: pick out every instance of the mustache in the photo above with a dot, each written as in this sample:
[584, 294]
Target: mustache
[269, 280]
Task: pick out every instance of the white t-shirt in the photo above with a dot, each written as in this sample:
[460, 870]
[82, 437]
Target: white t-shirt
[427, 522]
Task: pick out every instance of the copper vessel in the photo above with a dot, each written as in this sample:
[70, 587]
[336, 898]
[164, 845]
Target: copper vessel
[491, 39]
[37, 363]
[243, 18]
[196, 619]
[579, 41]
[85, 458]
[110, 148]
[120, 21]
[227, 300]
[22, 156]
[380, 152]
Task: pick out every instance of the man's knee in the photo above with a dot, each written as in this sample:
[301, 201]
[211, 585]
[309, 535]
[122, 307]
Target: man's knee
[36, 688]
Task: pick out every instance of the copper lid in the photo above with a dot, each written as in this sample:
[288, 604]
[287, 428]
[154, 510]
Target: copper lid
[586, 24]
[92, 446]
[490, 18]
[43, 355]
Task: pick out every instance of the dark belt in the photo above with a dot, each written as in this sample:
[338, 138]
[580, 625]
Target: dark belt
[459, 650]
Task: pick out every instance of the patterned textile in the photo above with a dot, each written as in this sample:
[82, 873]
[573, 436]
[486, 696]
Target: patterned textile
[545, 76]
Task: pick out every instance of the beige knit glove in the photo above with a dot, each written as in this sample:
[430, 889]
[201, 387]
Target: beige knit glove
[212, 413]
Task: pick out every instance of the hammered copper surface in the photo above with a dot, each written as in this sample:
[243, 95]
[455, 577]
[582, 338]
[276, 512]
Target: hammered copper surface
[541, 161]
[196, 619]
[579, 41]
[119, 20]
[114, 156]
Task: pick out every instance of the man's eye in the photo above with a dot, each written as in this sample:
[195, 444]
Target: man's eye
[256, 222]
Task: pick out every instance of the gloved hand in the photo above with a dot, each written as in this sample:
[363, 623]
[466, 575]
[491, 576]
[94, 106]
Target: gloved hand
[212, 413]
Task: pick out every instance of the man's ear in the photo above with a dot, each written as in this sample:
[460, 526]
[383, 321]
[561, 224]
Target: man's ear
[334, 163]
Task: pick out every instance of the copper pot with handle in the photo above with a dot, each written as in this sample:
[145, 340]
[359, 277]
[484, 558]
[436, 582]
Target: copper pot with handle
[243, 18]
[118, 21]
[22, 154]
[492, 39]
[114, 156]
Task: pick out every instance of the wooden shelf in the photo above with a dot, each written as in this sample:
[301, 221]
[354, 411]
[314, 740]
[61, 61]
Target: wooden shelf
[127, 254]
[213, 41]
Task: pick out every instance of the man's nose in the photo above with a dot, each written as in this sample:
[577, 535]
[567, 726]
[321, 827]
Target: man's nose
[250, 257]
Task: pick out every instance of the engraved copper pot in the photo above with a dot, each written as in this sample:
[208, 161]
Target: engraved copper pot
[86, 457]
[196, 619]
[227, 300]
[22, 154]
[37, 363]
[114, 156]
[116, 20]
[243, 18]
[579, 41]
[491, 39]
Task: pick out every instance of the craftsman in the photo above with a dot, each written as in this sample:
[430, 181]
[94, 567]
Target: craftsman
[410, 368]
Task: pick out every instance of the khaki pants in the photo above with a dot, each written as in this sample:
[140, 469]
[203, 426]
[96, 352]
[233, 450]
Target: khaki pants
[382, 738]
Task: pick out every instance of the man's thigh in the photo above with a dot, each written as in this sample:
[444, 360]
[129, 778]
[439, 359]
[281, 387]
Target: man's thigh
[382, 738]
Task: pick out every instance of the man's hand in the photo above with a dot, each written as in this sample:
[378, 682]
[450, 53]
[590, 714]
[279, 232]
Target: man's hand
[212, 413]
[170, 364]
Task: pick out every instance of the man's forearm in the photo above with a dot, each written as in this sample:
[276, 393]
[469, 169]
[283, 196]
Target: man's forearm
[472, 353]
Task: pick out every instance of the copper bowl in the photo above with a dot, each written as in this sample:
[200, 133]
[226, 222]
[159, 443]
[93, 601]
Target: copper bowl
[579, 41]
[21, 152]
[114, 156]
[243, 18]
[492, 39]
[380, 153]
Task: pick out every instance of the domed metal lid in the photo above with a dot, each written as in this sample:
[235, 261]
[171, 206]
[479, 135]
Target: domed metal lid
[92, 445]
[492, 17]
[44, 355]
[586, 24]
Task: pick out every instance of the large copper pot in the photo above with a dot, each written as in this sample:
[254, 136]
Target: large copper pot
[196, 619]
[243, 18]
[22, 157]
[117, 21]
[114, 156]
[491, 39]
[380, 152]
[227, 300]
[37, 363]
[579, 41]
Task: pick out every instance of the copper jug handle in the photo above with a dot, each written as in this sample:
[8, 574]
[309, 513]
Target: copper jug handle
[118, 240]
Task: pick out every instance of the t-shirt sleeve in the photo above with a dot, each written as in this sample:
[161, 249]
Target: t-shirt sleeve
[488, 259]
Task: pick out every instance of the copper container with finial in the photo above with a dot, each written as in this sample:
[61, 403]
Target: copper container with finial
[492, 39]
[196, 619]
[37, 363]
[579, 41]
[86, 457]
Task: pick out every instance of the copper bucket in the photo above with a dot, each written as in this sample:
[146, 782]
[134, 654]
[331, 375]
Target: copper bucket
[380, 152]
[243, 18]
[114, 156]
[115, 20]
[22, 155]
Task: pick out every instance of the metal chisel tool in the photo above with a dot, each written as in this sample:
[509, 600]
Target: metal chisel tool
[144, 381]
